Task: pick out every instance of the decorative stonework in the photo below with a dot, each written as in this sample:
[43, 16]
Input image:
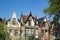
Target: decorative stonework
[17, 29]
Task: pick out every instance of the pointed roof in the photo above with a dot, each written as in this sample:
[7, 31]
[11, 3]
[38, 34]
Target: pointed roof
[26, 17]
[30, 14]
[21, 14]
[41, 19]
[14, 15]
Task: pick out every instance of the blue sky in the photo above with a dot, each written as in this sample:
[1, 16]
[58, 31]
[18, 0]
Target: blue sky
[7, 7]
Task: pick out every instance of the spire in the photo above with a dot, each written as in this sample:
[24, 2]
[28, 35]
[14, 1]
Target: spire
[30, 13]
[14, 15]
[21, 14]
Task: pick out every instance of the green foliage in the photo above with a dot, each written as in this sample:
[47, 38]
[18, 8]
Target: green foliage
[53, 9]
[1, 27]
[3, 34]
[54, 6]
[7, 36]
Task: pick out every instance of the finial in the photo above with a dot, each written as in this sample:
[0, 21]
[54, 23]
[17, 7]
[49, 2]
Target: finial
[21, 14]
[30, 13]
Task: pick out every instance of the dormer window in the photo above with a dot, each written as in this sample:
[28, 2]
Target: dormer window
[43, 24]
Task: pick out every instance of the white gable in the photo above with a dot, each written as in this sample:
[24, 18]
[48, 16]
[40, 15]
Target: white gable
[14, 15]
[31, 21]
[13, 20]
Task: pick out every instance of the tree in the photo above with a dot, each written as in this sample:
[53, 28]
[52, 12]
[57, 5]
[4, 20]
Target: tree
[3, 33]
[53, 10]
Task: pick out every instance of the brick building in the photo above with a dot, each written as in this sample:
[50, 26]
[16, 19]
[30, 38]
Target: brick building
[28, 27]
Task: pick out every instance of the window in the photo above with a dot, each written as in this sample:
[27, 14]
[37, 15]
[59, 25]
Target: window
[10, 30]
[45, 39]
[16, 32]
[14, 23]
[39, 23]
[30, 18]
[36, 33]
[21, 24]
[42, 32]
[46, 30]
[29, 34]
[21, 34]
[36, 23]
[36, 37]
[43, 24]
[29, 22]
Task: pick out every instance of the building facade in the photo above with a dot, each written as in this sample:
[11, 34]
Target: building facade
[28, 27]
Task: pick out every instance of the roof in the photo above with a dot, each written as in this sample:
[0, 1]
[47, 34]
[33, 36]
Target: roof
[14, 15]
[10, 19]
[41, 19]
[26, 17]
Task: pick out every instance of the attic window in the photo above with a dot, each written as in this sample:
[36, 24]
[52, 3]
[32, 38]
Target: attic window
[29, 22]
[14, 23]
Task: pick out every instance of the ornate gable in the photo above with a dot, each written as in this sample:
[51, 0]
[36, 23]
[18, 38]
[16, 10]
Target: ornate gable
[14, 21]
[30, 20]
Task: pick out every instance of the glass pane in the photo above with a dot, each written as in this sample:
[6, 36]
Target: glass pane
[16, 32]
[14, 23]
[36, 34]
[42, 32]
[29, 34]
